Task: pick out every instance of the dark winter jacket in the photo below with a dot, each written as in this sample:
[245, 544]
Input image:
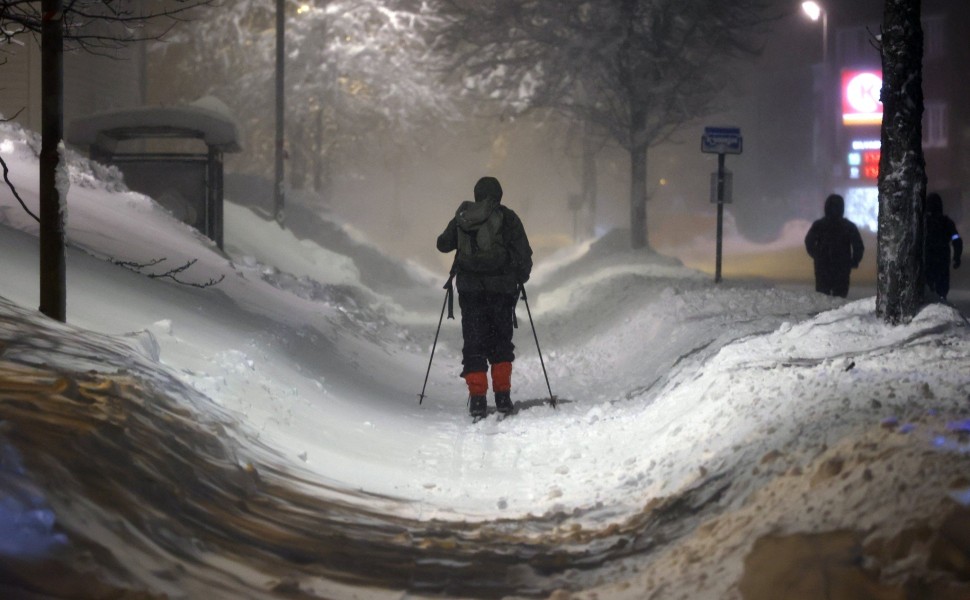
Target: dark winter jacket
[505, 279]
[833, 241]
[941, 234]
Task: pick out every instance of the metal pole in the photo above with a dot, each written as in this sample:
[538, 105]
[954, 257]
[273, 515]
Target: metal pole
[552, 398]
[448, 294]
[720, 215]
[318, 150]
[825, 37]
[280, 56]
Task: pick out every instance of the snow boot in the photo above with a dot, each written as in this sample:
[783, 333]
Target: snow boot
[502, 384]
[477, 382]
[478, 407]
[503, 403]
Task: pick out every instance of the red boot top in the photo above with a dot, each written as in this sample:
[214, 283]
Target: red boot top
[502, 376]
[477, 382]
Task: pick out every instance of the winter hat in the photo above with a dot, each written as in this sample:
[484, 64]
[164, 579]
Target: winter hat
[834, 206]
[488, 187]
[934, 204]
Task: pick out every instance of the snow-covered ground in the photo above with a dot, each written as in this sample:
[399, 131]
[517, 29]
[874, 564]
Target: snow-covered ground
[262, 437]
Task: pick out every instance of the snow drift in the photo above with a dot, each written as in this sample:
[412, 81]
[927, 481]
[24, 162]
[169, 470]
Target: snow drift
[262, 437]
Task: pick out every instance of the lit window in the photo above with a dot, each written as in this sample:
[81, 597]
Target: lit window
[935, 125]
[862, 207]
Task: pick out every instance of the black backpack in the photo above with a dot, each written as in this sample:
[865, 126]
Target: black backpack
[481, 248]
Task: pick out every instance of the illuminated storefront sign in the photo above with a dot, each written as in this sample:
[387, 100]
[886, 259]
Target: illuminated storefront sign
[860, 97]
[870, 164]
[863, 159]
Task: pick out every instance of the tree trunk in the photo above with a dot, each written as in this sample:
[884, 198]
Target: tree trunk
[902, 173]
[53, 294]
[638, 197]
[638, 141]
[589, 180]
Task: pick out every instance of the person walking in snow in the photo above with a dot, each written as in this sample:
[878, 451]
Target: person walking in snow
[835, 245]
[941, 234]
[493, 260]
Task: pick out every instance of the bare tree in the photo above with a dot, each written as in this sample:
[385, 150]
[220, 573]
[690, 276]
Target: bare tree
[355, 69]
[635, 70]
[72, 23]
[902, 172]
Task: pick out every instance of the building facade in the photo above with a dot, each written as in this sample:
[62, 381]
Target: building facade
[852, 99]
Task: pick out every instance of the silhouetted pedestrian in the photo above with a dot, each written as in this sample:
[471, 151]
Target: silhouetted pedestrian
[835, 245]
[941, 234]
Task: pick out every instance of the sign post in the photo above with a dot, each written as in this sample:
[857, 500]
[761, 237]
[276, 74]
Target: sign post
[720, 141]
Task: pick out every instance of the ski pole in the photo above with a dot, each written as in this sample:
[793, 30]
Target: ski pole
[552, 398]
[449, 303]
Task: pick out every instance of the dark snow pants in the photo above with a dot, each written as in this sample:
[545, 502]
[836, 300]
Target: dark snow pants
[486, 326]
[938, 276]
[832, 279]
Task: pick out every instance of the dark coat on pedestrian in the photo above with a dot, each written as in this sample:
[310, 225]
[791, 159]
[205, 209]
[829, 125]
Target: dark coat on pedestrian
[941, 235]
[505, 279]
[834, 243]
[487, 299]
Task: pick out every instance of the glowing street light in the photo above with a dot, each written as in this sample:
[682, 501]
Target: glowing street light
[814, 11]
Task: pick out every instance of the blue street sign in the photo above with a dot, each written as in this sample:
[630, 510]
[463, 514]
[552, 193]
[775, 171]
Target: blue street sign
[721, 140]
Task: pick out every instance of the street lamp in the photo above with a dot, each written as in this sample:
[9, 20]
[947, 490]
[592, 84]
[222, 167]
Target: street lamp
[821, 144]
[278, 197]
[814, 11]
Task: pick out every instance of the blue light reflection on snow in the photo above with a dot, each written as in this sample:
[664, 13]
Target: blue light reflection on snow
[26, 521]
[961, 496]
[959, 426]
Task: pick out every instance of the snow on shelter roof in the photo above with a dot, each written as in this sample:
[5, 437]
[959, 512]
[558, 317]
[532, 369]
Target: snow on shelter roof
[207, 119]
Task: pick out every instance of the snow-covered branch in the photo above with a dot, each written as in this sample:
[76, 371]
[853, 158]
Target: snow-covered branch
[356, 67]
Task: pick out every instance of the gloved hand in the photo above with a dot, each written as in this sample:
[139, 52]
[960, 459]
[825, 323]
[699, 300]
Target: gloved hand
[956, 263]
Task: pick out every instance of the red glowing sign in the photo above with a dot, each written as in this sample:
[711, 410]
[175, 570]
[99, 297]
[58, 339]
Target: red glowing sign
[870, 164]
[860, 97]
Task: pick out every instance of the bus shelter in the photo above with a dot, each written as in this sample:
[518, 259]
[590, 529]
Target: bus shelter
[173, 154]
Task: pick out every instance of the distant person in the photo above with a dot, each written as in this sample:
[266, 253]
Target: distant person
[835, 245]
[493, 259]
[941, 233]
